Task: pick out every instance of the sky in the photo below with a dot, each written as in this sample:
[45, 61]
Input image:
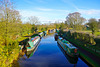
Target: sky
[56, 10]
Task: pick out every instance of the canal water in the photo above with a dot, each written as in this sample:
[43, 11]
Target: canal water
[49, 54]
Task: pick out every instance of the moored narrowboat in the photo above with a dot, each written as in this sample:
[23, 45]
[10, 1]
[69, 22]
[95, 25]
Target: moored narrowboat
[45, 33]
[30, 53]
[70, 59]
[32, 43]
[68, 47]
[56, 36]
[41, 34]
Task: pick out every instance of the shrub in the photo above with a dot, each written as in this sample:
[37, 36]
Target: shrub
[87, 38]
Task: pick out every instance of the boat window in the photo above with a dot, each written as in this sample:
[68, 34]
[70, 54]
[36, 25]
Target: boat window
[71, 45]
[60, 38]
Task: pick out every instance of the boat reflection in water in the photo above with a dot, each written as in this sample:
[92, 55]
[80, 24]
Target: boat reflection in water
[72, 60]
[30, 53]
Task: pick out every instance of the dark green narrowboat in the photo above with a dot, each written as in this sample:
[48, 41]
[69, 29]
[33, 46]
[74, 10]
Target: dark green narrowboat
[68, 47]
[70, 59]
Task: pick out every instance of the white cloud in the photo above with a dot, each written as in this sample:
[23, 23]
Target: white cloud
[70, 3]
[44, 15]
[83, 11]
[47, 15]
[44, 9]
[89, 12]
[30, 2]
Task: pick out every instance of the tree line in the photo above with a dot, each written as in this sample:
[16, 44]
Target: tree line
[77, 22]
[11, 26]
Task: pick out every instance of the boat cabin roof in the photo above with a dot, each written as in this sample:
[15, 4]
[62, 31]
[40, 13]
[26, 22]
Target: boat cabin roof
[30, 42]
[32, 39]
[70, 46]
[60, 37]
[41, 33]
[68, 43]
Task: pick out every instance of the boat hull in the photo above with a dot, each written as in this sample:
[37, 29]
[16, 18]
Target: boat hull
[31, 52]
[56, 37]
[35, 44]
[67, 50]
[70, 59]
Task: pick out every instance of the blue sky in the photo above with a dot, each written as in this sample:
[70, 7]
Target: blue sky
[57, 10]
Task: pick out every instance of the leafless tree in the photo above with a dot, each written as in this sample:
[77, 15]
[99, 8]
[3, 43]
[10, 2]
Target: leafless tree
[74, 19]
[34, 20]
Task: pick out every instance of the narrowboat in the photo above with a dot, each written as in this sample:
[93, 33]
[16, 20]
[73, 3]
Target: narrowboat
[57, 30]
[45, 33]
[30, 53]
[56, 36]
[32, 43]
[70, 59]
[68, 47]
[41, 34]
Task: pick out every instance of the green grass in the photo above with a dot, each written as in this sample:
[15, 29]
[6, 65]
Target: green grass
[85, 31]
[81, 44]
[25, 37]
[90, 32]
[97, 33]
[89, 60]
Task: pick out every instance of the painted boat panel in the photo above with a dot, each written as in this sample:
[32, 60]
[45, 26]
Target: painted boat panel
[33, 42]
[69, 48]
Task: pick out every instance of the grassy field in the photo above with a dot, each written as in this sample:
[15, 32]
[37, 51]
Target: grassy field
[90, 32]
[97, 33]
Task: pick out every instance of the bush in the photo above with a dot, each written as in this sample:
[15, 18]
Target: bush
[87, 38]
[8, 54]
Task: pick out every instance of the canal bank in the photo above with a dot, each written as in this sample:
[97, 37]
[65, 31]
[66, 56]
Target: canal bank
[22, 42]
[48, 54]
[88, 57]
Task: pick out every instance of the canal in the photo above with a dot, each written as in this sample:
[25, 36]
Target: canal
[49, 54]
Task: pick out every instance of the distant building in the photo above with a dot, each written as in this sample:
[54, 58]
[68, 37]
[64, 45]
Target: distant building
[87, 27]
[99, 20]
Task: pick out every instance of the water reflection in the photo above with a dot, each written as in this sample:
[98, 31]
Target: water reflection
[70, 59]
[48, 54]
[27, 53]
[30, 53]
[49, 34]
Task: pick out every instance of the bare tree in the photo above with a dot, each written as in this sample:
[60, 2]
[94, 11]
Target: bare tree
[74, 20]
[34, 20]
